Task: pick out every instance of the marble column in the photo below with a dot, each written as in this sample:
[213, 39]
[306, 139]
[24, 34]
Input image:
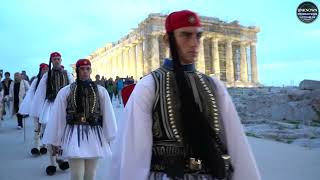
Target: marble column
[132, 60]
[146, 56]
[120, 63]
[93, 68]
[126, 65]
[140, 60]
[109, 65]
[99, 67]
[114, 63]
[167, 52]
[201, 60]
[215, 57]
[164, 50]
[155, 61]
[254, 68]
[129, 60]
[229, 62]
[243, 63]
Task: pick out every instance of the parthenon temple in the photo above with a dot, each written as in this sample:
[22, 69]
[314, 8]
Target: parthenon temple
[227, 51]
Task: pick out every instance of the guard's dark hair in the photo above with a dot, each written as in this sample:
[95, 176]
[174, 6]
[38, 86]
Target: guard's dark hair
[49, 84]
[39, 78]
[79, 93]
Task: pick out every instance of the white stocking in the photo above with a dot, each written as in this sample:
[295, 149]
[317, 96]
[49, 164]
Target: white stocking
[36, 134]
[42, 129]
[77, 169]
[83, 169]
[90, 169]
[52, 156]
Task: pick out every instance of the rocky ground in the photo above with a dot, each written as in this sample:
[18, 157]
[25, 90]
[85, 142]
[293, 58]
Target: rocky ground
[286, 114]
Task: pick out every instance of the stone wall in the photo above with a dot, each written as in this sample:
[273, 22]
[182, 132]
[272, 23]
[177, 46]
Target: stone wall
[280, 104]
[289, 114]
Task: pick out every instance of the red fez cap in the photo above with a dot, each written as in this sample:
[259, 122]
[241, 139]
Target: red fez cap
[83, 62]
[181, 19]
[55, 54]
[44, 65]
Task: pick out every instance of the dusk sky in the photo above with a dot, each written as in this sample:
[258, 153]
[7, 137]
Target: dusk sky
[287, 49]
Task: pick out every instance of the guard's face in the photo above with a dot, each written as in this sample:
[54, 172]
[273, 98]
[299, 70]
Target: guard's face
[188, 43]
[56, 61]
[44, 70]
[85, 72]
[17, 76]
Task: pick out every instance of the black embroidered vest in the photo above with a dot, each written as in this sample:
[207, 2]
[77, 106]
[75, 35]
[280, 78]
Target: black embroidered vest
[59, 79]
[90, 103]
[169, 147]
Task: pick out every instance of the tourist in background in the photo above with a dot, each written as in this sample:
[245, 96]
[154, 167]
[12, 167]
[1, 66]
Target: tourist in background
[6, 86]
[110, 87]
[17, 91]
[1, 104]
[24, 76]
[99, 81]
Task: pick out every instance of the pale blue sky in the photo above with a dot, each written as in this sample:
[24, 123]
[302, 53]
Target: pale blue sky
[287, 49]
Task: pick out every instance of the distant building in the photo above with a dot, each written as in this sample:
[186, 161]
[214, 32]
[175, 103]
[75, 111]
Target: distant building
[227, 51]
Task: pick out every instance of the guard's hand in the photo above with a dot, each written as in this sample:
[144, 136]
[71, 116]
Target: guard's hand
[38, 129]
[55, 149]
